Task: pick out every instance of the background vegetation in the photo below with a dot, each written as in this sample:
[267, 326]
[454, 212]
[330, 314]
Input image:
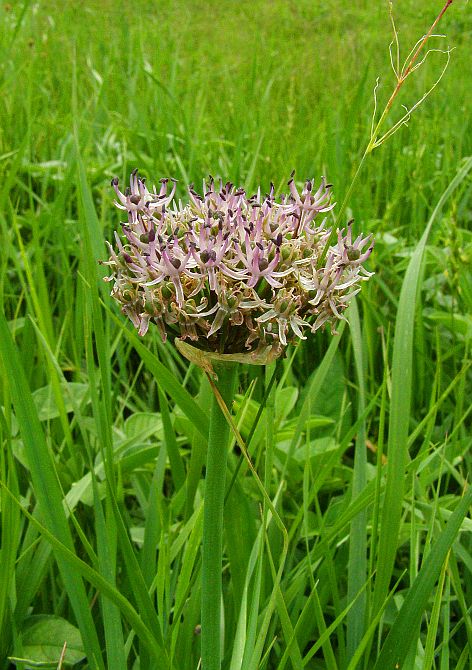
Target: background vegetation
[370, 561]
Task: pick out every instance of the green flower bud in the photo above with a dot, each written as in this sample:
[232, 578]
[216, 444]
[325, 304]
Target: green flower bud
[353, 254]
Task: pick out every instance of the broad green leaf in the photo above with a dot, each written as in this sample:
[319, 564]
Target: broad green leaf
[143, 425]
[460, 324]
[46, 406]
[43, 637]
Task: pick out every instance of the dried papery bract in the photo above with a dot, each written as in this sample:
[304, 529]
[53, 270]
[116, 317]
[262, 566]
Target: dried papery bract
[231, 273]
[207, 360]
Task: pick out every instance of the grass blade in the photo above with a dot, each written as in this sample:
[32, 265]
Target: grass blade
[46, 486]
[405, 626]
[357, 565]
[168, 382]
[402, 373]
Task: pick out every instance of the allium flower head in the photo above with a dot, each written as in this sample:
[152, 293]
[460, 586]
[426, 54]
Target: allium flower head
[229, 272]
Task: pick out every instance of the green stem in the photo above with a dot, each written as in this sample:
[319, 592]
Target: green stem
[374, 142]
[212, 545]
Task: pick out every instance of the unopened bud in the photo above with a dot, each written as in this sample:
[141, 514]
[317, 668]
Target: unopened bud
[353, 254]
[263, 264]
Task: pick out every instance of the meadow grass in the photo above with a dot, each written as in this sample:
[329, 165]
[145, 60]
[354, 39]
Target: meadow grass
[357, 552]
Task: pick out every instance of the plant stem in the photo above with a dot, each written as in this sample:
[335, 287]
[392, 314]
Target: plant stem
[374, 142]
[401, 77]
[212, 544]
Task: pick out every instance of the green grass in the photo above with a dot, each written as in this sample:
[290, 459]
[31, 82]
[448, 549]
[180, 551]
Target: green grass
[358, 553]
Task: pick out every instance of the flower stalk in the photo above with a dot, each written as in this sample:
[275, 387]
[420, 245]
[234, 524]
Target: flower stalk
[212, 543]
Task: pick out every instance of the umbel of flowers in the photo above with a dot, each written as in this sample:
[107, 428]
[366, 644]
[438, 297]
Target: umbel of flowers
[232, 273]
